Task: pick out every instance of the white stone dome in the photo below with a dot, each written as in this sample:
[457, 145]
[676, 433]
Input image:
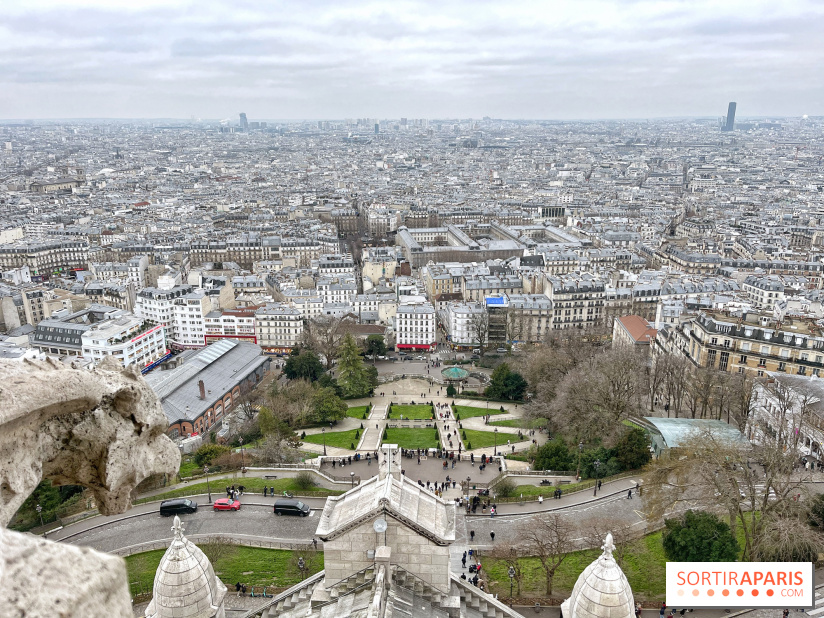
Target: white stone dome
[185, 585]
[602, 590]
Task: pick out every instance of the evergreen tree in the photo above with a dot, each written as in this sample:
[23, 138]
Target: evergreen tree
[699, 536]
[353, 378]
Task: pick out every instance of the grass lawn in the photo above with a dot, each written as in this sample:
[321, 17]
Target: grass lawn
[188, 467]
[340, 439]
[250, 565]
[483, 439]
[412, 438]
[357, 412]
[644, 566]
[418, 411]
[521, 423]
[252, 484]
[470, 411]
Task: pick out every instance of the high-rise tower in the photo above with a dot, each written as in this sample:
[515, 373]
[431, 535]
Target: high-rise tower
[730, 124]
[244, 124]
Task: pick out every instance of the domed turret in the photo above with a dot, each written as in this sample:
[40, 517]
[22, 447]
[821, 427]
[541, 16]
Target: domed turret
[185, 585]
[602, 590]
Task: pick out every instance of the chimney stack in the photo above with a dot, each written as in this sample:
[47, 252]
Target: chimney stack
[202, 389]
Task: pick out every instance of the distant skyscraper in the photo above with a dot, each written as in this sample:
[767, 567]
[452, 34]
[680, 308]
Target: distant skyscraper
[377, 128]
[730, 124]
[244, 124]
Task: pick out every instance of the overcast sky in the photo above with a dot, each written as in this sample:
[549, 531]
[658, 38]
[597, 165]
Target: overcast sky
[452, 58]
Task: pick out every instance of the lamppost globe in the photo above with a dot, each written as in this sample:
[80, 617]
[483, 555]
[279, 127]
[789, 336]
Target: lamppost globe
[580, 450]
[511, 579]
[323, 431]
[495, 451]
[208, 488]
[352, 476]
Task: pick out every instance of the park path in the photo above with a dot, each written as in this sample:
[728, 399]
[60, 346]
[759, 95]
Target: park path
[374, 428]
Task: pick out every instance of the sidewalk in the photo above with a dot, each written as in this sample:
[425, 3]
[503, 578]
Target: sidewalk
[621, 486]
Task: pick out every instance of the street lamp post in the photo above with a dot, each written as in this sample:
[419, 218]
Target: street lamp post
[323, 431]
[209, 489]
[495, 452]
[39, 510]
[580, 449]
[301, 566]
[511, 579]
[242, 464]
[352, 476]
[596, 464]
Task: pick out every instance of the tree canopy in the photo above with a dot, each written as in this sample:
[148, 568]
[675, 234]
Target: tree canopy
[699, 536]
[305, 365]
[327, 406]
[554, 455]
[506, 384]
[374, 346]
[354, 378]
[632, 449]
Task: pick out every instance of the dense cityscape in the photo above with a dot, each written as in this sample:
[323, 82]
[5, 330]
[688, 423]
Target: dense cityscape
[286, 285]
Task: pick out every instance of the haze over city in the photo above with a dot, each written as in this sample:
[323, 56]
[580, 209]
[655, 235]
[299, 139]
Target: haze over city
[304, 60]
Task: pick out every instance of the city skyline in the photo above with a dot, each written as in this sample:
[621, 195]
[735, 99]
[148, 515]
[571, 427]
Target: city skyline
[582, 61]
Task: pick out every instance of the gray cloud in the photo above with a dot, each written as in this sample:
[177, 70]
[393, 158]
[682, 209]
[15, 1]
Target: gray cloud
[518, 59]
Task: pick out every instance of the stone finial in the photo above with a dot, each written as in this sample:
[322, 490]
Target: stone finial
[177, 529]
[608, 546]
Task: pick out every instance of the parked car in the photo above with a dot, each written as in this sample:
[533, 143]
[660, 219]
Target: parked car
[226, 504]
[286, 506]
[501, 350]
[177, 506]
[475, 356]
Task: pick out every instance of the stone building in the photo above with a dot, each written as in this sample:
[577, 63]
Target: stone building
[386, 549]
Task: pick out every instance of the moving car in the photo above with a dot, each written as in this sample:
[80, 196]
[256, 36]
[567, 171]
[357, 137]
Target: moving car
[226, 504]
[177, 506]
[288, 506]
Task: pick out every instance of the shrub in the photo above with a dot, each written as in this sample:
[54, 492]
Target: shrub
[469, 446]
[207, 453]
[304, 480]
[463, 435]
[361, 425]
[357, 433]
[457, 417]
[502, 409]
[364, 416]
[303, 435]
[505, 488]
[352, 446]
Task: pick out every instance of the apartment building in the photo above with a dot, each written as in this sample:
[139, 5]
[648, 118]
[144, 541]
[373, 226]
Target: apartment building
[415, 326]
[234, 324]
[577, 301]
[128, 339]
[278, 328]
[755, 343]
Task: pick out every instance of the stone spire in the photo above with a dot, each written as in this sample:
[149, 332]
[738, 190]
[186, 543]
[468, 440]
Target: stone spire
[185, 585]
[602, 590]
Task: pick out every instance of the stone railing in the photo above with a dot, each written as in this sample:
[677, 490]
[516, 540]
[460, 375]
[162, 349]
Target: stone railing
[236, 539]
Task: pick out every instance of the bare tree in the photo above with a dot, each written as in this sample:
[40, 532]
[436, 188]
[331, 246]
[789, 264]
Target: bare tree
[515, 325]
[323, 335]
[479, 327]
[711, 472]
[550, 539]
[217, 548]
[676, 379]
[624, 532]
[510, 554]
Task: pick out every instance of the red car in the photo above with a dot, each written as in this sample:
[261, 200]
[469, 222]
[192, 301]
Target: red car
[226, 504]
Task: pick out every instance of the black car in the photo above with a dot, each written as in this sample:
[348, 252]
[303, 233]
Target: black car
[287, 506]
[177, 506]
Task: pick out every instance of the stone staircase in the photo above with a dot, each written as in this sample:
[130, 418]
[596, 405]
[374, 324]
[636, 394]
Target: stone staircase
[473, 599]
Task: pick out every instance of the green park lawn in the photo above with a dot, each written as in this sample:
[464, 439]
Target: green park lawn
[471, 411]
[253, 566]
[188, 467]
[340, 439]
[483, 439]
[252, 484]
[644, 565]
[411, 438]
[357, 412]
[419, 411]
[521, 423]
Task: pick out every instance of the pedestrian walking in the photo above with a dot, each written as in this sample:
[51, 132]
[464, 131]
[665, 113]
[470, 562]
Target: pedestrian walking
[314, 543]
[629, 494]
[237, 589]
[663, 609]
[265, 491]
[463, 561]
[599, 484]
[637, 610]
[492, 536]
[471, 535]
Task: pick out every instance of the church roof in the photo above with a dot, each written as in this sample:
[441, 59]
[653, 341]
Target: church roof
[401, 498]
[185, 585]
[602, 590]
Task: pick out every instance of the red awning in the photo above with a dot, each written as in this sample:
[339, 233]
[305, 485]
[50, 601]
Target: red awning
[414, 346]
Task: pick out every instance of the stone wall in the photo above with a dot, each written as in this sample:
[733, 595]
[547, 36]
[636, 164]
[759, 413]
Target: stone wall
[347, 554]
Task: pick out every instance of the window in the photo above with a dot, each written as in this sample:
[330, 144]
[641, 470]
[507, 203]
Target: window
[742, 359]
[782, 366]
